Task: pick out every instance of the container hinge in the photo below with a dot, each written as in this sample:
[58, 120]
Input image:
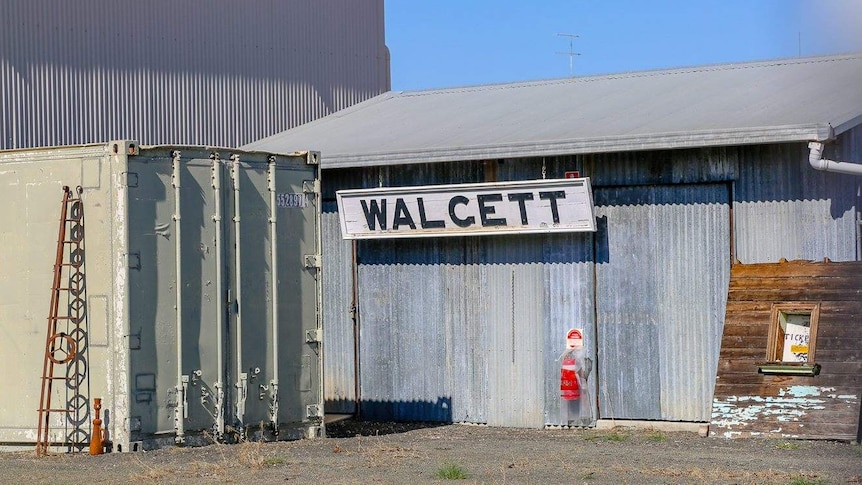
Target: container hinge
[314, 411]
[134, 340]
[313, 336]
[312, 261]
[129, 179]
[311, 186]
[134, 260]
[312, 158]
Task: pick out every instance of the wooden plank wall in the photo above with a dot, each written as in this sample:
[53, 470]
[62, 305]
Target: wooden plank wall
[826, 406]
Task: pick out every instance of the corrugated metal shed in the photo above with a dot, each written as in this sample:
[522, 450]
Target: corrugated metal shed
[203, 72]
[731, 104]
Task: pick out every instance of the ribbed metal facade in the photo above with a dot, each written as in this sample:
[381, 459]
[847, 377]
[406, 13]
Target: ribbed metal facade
[204, 72]
[471, 329]
[339, 383]
[785, 209]
[663, 266]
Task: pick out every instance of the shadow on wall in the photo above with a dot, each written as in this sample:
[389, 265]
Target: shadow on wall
[439, 411]
[562, 248]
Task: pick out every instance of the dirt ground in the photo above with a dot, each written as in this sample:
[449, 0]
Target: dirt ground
[411, 454]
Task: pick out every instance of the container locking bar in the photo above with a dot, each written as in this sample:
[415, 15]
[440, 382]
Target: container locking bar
[273, 278]
[181, 411]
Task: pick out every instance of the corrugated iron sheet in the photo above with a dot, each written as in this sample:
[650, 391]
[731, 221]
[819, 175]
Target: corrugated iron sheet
[206, 72]
[486, 317]
[338, 357]
[731, 104]
[461, 329]
[663, 255]
[785, 209]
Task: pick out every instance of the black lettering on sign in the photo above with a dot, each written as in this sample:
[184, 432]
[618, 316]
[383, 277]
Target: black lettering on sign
[426, 224]
[553, 196]
[402, 215]
[375, 213]
[486, 210]
[521, 198]
[460, 200]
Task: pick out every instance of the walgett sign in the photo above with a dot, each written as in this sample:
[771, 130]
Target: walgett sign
[534, 206]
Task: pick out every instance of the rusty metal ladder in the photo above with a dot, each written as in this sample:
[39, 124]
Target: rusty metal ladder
[63, 346]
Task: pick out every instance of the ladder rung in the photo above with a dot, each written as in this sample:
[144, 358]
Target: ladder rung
[57, 378]
[56, 410]
[61, 318]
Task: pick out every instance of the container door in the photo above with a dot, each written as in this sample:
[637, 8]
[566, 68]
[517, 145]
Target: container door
[274, 322]
[152, 296]
[223, 292]
[176, 304]
[203, 303]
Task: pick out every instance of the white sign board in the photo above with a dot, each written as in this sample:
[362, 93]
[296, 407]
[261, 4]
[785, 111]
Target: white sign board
[534, 206]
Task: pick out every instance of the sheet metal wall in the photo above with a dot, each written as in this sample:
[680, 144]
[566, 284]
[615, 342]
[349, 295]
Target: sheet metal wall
[785, 209]
[663, 256]
[338, 355]
[471, 329]
[203, 72]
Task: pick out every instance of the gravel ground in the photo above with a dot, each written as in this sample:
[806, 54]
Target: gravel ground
[414, 453]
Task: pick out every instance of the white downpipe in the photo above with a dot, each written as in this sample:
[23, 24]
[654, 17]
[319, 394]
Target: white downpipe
[815, 158]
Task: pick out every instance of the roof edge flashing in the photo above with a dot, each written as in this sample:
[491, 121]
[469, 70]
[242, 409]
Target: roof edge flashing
[612, 144]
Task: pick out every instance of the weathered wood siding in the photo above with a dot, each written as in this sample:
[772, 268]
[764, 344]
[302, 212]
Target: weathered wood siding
[825, 406]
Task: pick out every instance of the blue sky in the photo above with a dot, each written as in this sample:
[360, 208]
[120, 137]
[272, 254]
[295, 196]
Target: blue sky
[443, 43]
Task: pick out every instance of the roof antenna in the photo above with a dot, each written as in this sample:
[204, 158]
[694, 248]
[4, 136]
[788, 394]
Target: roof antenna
[571, 53]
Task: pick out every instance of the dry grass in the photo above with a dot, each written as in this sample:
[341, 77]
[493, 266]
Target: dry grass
[250, 454]
[700, 475]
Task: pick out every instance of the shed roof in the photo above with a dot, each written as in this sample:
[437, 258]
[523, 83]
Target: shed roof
[728, 104]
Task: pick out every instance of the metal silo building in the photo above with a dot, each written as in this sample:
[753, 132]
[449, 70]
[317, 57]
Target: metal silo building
[201, 72]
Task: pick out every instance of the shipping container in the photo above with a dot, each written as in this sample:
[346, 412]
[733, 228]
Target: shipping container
[199, 273]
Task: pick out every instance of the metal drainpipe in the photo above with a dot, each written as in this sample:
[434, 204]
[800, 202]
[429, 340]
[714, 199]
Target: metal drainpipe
[242, 382]
[354, 313]
[815, 158]
[273, 248]
[181, 411]
[220, 310]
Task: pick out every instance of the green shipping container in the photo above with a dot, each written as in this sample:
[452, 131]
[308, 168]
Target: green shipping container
[202, 294]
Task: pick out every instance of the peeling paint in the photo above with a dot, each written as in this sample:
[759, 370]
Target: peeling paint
[118, 388]
[792, 405]
[805, 391]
